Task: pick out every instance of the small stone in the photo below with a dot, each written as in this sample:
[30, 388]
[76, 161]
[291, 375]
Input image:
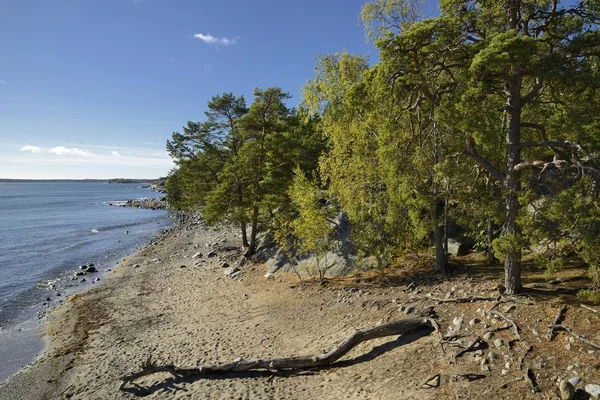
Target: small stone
[478, 352]
[535, 332]
[484, 361]
[136, 266]
[498, 343]
[197, 255]
[182, 266]
[225, 265]
[505, 372]
[83, 280]
[409, 309]
[492, 355]
[230, 271]
[507, 365]
[568, 346]
[458, 321]
[593, 390]
[474, 321]
[570, 368]
[567, 391]
[97, 280]
[574, 380]
[485, 368]
[212, 254]
[237, 359]
[571, 339]
[488, 336]
[509, 308]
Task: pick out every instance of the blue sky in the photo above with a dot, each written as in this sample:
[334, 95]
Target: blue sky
[94, 88]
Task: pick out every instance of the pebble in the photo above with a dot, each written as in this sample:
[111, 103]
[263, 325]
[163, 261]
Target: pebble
[535, 332]
[567, 391]
[593, 390]
[574, 380]
[474, 321]
[498, 342]
[409, 309]
[488, 336]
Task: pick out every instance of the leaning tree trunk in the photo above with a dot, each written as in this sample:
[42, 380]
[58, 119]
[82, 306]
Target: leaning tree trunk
[512, 263]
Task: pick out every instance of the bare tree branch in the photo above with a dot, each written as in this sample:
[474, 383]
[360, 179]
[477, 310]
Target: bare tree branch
[472, 152]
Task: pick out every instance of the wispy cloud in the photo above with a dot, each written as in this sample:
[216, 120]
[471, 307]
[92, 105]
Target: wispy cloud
[33, 149]
[58, 151]
[115, 153]
[210, 39]
[69, 151]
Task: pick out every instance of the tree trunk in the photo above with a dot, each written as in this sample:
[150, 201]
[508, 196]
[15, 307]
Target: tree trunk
[243, 222]
[512, 263]
[439, 236]
[490, 238]
[244, 234]
[253, 233]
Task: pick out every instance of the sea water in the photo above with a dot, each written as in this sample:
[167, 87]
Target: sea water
[48, 230]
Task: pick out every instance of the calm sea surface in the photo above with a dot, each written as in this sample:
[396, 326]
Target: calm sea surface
[49, 229]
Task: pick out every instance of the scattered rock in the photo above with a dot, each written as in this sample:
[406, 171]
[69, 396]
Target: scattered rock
[458, 321]
[498, 343]
[197, 255]
[567, 391]
[136, 266]
[432, 382]
[593, 390]
[91, 270]
[80, 273]
[97, 280]
[488, 336]
[474, 321]
[212, 254]
[574, 380]
[182, 266]
[230, 271]
[409, 309]
[225, 265]
[83, 280]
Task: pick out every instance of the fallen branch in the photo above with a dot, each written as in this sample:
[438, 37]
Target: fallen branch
[557, 320]
[284, 364]
[575, 335]
[590, 309]
[510, 321]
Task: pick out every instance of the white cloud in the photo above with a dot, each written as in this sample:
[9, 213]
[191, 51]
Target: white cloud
[210, 39]
[33, 149]
[69, 151]
[115, 153]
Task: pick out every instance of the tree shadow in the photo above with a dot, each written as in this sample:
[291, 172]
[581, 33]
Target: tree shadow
[175, 384]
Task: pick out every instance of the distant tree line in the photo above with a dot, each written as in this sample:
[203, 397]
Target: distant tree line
[487, 115]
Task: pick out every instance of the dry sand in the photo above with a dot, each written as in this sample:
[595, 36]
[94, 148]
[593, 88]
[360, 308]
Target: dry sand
[186, 312]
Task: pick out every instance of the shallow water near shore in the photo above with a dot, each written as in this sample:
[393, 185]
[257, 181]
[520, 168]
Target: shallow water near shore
[47, 231]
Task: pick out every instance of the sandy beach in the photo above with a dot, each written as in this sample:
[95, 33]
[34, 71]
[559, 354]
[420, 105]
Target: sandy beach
[164, 304]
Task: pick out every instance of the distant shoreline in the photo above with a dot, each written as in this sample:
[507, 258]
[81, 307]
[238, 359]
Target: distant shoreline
[111, 180]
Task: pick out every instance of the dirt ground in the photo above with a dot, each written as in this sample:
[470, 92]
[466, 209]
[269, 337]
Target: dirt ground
[164, 304]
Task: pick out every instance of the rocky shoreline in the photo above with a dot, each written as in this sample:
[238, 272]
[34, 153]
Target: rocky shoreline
[149, 204]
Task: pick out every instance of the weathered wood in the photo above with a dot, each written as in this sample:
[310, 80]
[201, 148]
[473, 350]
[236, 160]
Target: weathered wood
[401, 327]
[557, 320]
[590, 309]
[575, 335]
[510, 321]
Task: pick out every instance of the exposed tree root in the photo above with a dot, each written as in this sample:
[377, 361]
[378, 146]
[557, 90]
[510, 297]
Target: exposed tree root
[575, 335]
[590, 309]
[510, 321]
[477, 344]
[557, 320]
[285, 364]
[472, 299]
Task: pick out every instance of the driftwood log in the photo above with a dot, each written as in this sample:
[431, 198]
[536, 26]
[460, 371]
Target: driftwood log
[401, 327]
